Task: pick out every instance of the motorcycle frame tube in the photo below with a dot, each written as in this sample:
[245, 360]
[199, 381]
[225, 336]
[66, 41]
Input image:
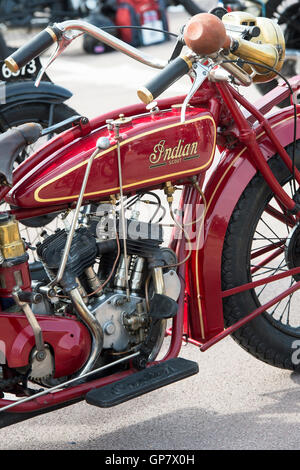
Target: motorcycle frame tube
[266, 126]
[248, 136]
[75, 392]
[222, 192]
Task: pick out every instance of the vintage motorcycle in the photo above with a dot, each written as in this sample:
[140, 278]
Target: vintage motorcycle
[93, 328]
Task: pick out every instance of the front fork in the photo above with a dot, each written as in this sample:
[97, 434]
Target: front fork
[191, 317]
[248, 136]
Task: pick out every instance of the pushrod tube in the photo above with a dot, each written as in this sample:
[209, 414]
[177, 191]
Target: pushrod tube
[65, 255]
[93, 326]
[178, 245]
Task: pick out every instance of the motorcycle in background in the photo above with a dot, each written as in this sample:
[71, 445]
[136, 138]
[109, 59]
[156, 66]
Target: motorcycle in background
[108, 14]
[287, 14]
[189, 5]
[21, 103]
[39, 13]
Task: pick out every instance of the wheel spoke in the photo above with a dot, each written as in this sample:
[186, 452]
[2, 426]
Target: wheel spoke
[258, 251]
[275, 270]
[270, 229]
[284, 218]
[267, 260]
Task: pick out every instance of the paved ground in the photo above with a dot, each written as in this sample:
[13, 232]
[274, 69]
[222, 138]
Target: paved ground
[235, 402]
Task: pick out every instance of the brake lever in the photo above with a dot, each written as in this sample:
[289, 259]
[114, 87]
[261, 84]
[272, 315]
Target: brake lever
[201, 73]
[66, 38]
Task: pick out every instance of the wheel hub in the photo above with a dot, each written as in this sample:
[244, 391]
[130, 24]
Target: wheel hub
[292, 250]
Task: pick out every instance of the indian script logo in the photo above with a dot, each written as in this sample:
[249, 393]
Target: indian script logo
[163, 155]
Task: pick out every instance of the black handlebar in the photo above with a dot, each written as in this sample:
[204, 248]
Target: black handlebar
[33, 48]
[170, 74]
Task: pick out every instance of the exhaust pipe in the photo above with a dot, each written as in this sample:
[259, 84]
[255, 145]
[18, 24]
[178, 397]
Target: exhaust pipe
[93, 326]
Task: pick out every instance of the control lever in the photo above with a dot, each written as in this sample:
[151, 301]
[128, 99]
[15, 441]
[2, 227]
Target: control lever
[201, 73]
[66, 38]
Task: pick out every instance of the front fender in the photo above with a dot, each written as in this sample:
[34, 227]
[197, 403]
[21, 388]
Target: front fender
[223, 190]
[20, 92]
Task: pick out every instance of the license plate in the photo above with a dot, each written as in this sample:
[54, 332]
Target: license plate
[29, 70]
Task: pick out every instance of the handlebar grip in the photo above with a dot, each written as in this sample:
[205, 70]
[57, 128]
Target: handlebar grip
[170, 74]
[33, 48]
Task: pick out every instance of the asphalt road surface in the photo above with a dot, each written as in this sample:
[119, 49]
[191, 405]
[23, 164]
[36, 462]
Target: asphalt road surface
[235, 402]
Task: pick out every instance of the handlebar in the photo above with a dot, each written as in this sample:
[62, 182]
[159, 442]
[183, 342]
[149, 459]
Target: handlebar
[205, 34]
[42, 42]
[33, 48]
[170, 74]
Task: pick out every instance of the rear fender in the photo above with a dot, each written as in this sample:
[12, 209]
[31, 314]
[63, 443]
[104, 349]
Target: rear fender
[21, 92]
[223, 190]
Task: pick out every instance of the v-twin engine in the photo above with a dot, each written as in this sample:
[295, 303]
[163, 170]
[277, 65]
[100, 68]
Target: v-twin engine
[125, 320]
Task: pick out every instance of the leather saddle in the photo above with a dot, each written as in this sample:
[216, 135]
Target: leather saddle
[12, 143]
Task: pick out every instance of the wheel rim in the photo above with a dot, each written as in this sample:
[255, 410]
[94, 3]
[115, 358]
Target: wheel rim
[274, 250]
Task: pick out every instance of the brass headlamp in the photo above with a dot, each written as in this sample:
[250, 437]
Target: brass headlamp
[268, 48]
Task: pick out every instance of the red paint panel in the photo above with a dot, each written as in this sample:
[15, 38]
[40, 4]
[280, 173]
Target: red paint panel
[68, 338]
[154, 149]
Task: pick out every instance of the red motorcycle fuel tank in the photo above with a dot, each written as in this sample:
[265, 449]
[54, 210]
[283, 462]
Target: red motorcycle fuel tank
[155, 147]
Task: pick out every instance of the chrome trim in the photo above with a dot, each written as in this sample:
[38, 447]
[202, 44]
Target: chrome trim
[123, 219]
[113, 42]
[201, 73]
[67, 248]
[158, 280]
[94, 327]
[68, 382]
[238, 73]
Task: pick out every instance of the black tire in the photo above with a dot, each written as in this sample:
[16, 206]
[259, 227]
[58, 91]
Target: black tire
[271, 7]
[190, 6]
[39, 113]
[34, 112]
[287, 17]
[269, 337]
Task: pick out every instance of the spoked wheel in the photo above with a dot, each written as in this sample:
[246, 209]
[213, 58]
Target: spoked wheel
[263, 241]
